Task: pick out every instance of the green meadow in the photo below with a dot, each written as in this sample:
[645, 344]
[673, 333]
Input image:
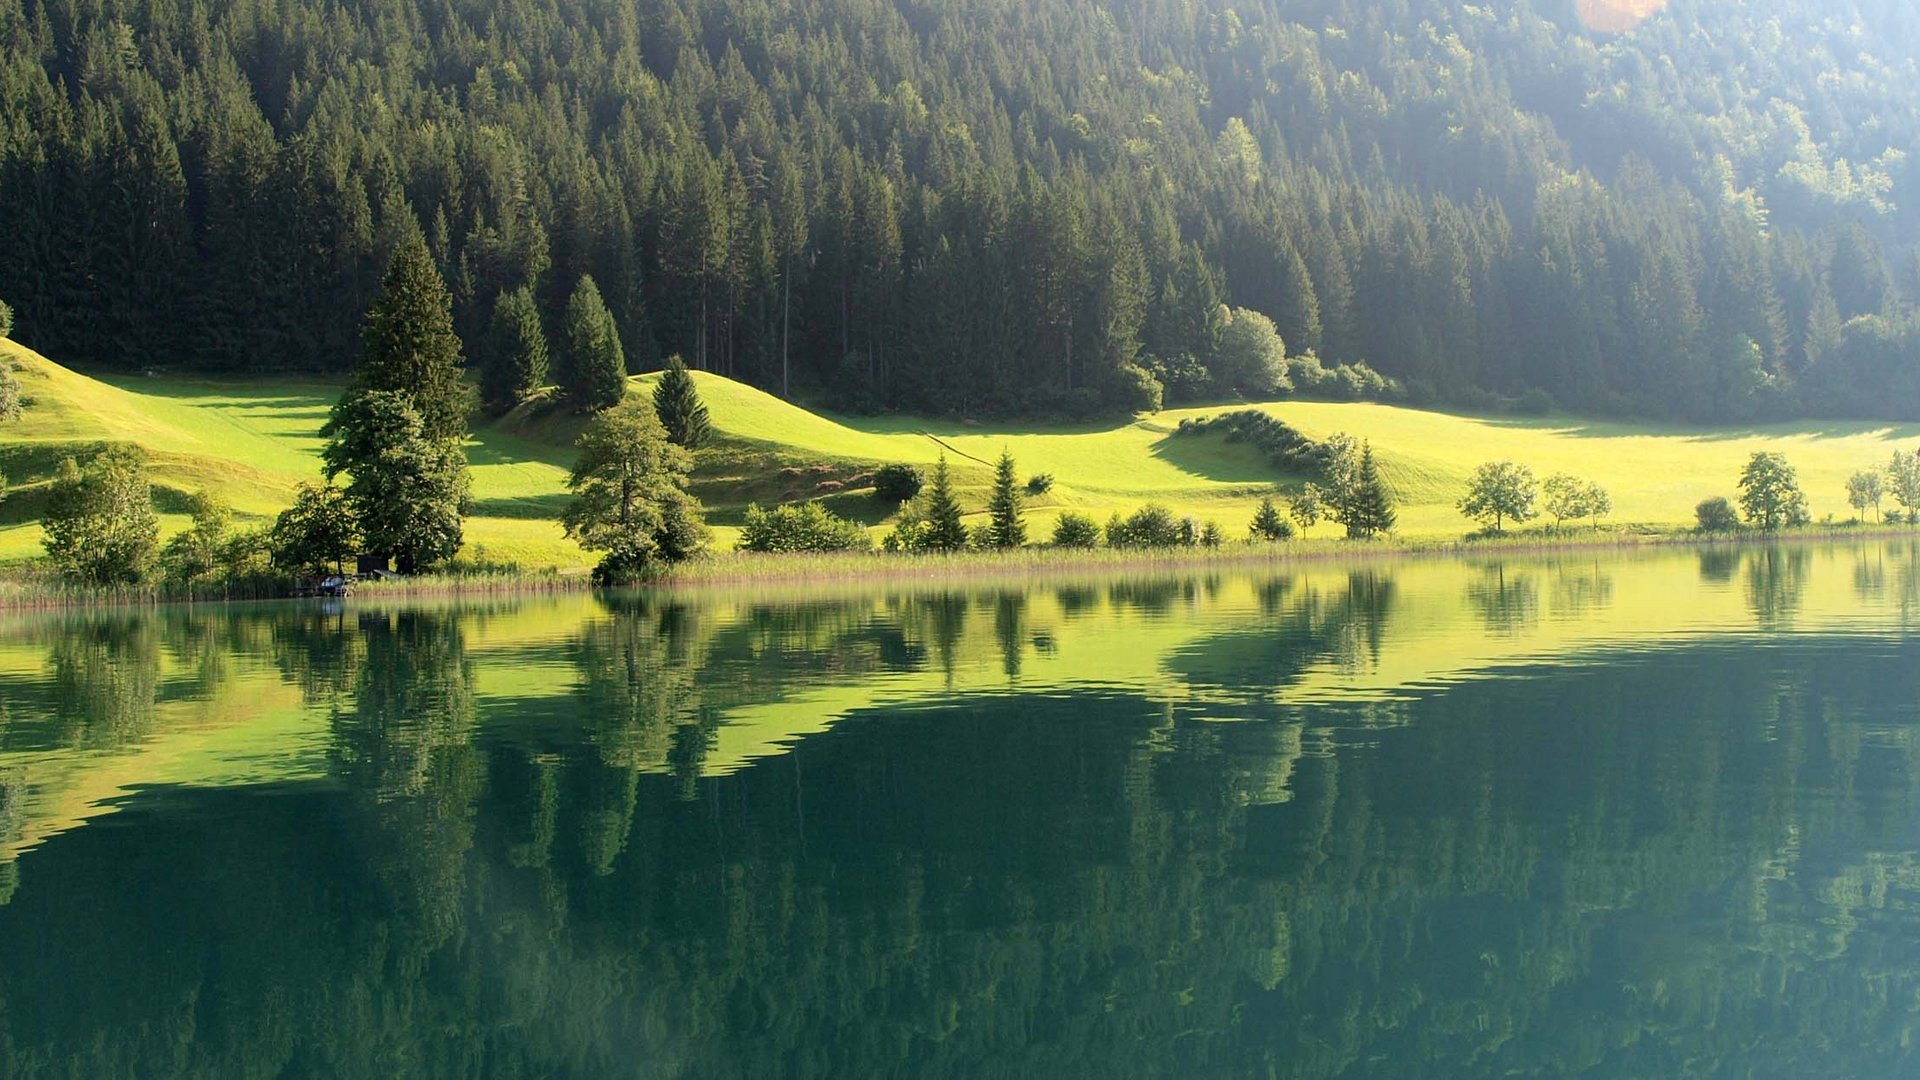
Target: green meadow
[254, 442]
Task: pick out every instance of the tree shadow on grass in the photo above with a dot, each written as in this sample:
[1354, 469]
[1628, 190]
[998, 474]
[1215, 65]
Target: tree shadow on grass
[1211, 457]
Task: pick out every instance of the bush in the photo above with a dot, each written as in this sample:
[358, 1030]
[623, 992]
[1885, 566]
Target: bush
[1283, 447]
[1136, 390]
[1716, 515]
[1075, 531]
[898, 483]
[1149, 527]
[801, 527]
[6, 320]
[1039, 483]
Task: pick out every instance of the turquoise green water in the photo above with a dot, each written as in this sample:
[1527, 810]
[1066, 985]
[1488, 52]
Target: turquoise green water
[1643, 816]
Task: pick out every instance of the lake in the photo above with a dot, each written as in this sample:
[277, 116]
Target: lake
[1636, 815]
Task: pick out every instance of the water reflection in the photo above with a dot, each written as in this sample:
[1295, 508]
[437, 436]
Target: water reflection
[1386, 821]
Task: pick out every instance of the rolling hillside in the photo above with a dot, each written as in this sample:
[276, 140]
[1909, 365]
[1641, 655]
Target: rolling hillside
[255, 443]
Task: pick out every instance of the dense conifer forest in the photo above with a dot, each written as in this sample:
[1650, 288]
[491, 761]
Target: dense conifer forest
[981, 207]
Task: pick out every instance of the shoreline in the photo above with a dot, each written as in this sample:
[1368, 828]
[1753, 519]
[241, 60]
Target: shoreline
[31, 591]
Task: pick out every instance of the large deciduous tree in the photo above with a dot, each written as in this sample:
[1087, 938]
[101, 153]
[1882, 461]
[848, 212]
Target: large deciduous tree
[408, 490]
[630, 499]
[1770, 494]
[1499, 492]
[99, 524]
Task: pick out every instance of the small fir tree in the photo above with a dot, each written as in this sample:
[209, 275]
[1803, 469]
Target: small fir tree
[677, 401]
[1006, 529]
[1372, 507]
[942, 527]
[1268, 525]
[517, 357]
[593, 369]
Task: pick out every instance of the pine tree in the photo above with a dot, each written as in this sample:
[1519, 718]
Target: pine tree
[1005, 527]
[1268, 524]
[408, 346]
[944, 531]
[593, 369]
[1373, 512]
[517, 358]
[677, 401]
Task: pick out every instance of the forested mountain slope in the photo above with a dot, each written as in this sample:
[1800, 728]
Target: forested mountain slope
[996, 206]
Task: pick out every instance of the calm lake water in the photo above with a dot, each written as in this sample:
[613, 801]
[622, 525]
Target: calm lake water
[1641, 816]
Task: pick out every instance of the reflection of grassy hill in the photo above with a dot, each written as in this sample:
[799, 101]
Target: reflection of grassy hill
[254, 441]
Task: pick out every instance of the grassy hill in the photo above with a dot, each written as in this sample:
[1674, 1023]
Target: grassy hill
[254, 442]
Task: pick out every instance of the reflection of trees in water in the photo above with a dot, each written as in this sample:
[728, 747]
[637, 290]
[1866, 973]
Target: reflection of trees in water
[1506, 599]
[106, 679]
[1500, 884]
[1718, 564]
[1580, 590]
[1776, 584]
[1621, 870]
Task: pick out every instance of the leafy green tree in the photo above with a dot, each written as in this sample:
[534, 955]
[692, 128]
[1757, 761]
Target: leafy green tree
[408, 346]
[1770, 494]
[630, 498]
[1565, 497]
[1866, 489]
[6, 320]
[1498, 492]
[1250, 356]
[1076, 531]
[1006, 528]
[677, 400]
[199, 550]
[1716, 515]
[941, 515]
[316, 533]
[593, 365]
[11, 402]
[409, 492]
[1903, 479]
[100, 526]
[517, 356]
[806, 526]
[1268, 524]
[1307, 506]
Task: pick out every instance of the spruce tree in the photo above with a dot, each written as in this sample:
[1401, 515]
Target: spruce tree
[1373, 507]
[408, 346]
[517, 358]
[1268, 524]
[1005, 527]
[677, 400]
[593, 368]
[944, 531]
